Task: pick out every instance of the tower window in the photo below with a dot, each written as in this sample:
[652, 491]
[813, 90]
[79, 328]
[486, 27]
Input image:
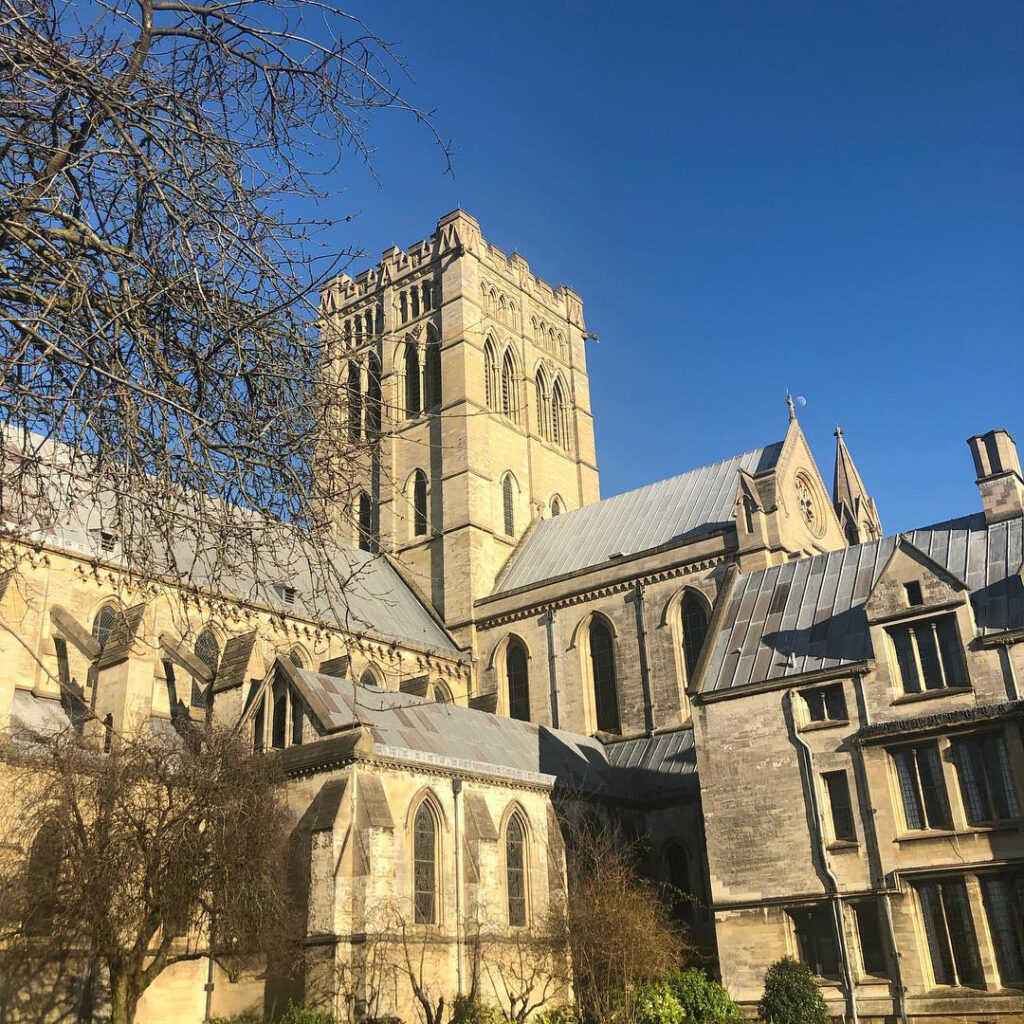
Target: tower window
[543, 405]
[355, 403]
[278, 732]
[373, 396]
[509, 502]
[366, 535]
[415, 302]
[412, 381]
[403, 307]
[419, 503]
[559, 423]
[509, 404]
[432, 374]
[517, 673]
[602, 666]
[490, 376]
[427, 297]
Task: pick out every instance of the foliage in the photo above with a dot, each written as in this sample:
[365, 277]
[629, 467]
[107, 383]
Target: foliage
[140, 854]
[791, 995]
[245, 1017]
[471, 1010]
[559, 1015]
[704, 999]
[301, 1014]
[655, 1003]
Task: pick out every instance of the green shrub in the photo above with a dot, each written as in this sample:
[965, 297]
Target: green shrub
[474, 1011]
[245, 1017]
[655, 1003]
[559, 1015]
[703, 999]
[299, 1013]
[383, 1020]
[791, 995]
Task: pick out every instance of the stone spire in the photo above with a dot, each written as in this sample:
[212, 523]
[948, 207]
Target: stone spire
[854, 506]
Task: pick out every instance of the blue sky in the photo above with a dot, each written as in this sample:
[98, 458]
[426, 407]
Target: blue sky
[825, 197]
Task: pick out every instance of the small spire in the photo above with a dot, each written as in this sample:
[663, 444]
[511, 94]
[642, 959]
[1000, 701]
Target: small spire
[838, 433]
[792, 407]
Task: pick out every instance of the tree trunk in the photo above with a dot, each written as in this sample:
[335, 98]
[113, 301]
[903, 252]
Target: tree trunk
[124, 996]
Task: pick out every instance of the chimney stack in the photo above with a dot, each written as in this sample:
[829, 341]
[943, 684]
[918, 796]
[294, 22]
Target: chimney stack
[999, 475]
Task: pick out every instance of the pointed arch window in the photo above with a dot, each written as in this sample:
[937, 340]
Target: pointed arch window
[427, 297]
[103, 624]
[602, 666]
[207, 650]
[508, 500]
[373, 396]
[491, 387]
[518, 676]
[366, 535]
[543, 405]
[694, 617]
[559, 421]
[557, 508]
[515, 871]
[369, 678]
[353, 393]
[677, 872]
[412, 381]
[425, 865]
[279, 722]
[403, 307]
[258, 726]
[509, 405]
[368, 317]
[419, 504]
[432, 374]
[380, 319]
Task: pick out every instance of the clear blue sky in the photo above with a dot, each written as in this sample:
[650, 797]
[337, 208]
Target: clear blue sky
[826, 197]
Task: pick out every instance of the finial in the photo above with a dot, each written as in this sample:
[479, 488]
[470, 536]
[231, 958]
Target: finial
[792, 407]
[838, 433]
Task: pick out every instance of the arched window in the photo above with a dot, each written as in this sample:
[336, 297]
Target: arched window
[373, 399]
[380, 319]
[602, 667]
[543, 405]
[279, 724]
[442, 695]
[557, 507]
[677, 874]
[419, 504]
[369, 678]
[490, 375]
[513, 314]
[365, 522]
[347, 333]
[493, 302]
[258, 726]
[297, 657]
[509, 405]
[359, 329]
[103, 624]
[424, 843]
[508, 500]
[368, 317]
[208, 652]
[432, 374]
[515, 871]
[502, 310]
[412, 381]
[403, 306]
[415, 301]
[517, 673]
[298, 718]
[559, 423]
[427, 297]
[694, 617]
[354, 396]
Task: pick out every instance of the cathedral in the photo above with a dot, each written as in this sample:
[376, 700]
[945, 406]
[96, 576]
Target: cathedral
[814, 727]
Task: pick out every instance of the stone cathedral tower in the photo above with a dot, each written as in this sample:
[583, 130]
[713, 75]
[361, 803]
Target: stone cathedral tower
[479, 371]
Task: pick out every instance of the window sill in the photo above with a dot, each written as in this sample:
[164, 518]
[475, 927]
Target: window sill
[843, 844]
[946, 691]
[1009, 825]
[831, 723]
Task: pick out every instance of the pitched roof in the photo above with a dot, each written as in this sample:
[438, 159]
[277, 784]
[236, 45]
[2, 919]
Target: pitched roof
[661, 513]
[808, 616]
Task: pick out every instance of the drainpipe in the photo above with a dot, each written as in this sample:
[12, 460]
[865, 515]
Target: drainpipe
[549, 627]
[837, 903]
[457, 792]
[645, 671]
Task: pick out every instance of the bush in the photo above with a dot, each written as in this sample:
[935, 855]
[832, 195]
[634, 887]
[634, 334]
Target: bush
[466, 1010]
[655, 1003]
[791, 995]
[703, 999]
[559, 1015]
[296, 1013]
[245, 1017]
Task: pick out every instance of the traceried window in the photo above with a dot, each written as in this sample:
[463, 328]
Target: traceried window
[428, 298]
[425, 865]
[491, 384]
[543, 405]
[509, 403]
[694, 618]
[922, 787]
[432, 375]
[928, 654]
[373, 396]
[515, 871]
[354, 395]
[602, 668]
[208, 652]
[825, 703]
[412, 381]
[419, 504]
[557, 507]
[517, 674]
[508, 501]
[837, 789]
[103, 624]
[559, 419]
[816, 939]
[949, 929]
[415, 296]
[985, 779]
[1003, 896]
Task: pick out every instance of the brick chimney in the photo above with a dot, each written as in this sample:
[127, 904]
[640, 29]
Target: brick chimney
[999, 475]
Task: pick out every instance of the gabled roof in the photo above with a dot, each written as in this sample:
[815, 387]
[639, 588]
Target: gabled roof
[661, 513]
[808, 616]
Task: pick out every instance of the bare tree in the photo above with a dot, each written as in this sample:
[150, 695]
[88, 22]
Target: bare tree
[529, 970]
[165, 166]
[150, 855]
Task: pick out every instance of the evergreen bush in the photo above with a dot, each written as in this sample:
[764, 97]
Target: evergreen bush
[791, 995]
[704, 999]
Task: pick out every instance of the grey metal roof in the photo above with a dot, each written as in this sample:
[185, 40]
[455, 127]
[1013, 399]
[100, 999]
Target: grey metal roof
[665, 512]
[808, 616]
[408, 726]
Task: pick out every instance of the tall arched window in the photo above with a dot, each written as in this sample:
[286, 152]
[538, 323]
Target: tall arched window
[694, 618]
[557, 507]
[279, 723]
[258, 726]
[415, 301]
[419, 504]
[208, 652]
[424, 844]
[515, 871]
[677, 872]
[368, 317]
[517, 673]
[602, 667]
[365, 522]
[380, 319]
[491, 387]
[403, 306]
[508, 500]
[373, 396]
[103, 624]
[427, 297]
[543, 405]
[354, 395]
[432, 374]
[509, 403]
[559, 421]
[412, 381]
